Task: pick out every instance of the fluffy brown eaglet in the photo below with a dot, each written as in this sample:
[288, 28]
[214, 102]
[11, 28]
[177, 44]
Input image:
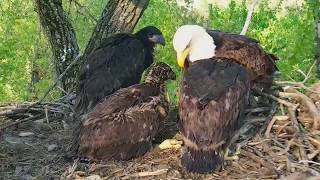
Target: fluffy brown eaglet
[123, 125]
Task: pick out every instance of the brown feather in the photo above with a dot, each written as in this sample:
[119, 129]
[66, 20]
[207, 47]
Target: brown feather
[213, 97]
[247, 52]
[118, 62]
[123, 125]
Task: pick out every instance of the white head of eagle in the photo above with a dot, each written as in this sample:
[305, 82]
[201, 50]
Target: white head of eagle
[193, 42]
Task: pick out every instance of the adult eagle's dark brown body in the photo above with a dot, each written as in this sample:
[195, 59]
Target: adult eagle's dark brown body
[214, 94]
[247, 52]
[123, 125]
[118, 62]
[219, 70]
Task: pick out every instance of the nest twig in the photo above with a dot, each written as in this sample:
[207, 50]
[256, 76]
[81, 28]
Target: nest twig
[288, 137]
[29, 111]
[306, 102]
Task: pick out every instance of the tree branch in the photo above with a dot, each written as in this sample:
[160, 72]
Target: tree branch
[77, 3]
[71, 65]
[249, 17]
[306, 102]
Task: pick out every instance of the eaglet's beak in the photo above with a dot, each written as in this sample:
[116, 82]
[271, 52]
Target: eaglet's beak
[158, 39]
[182, 57]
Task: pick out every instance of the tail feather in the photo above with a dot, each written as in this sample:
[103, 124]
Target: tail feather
[201, 161]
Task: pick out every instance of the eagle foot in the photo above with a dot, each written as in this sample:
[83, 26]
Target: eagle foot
[175, 143]
[234, 157]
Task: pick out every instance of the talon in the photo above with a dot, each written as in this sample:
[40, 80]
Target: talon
[235, 156]
[238, 149]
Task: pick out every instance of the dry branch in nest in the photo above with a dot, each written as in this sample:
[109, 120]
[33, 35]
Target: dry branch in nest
[299, 85]
[29, 111]
[60, 109]
[295, 138]
[305, 102]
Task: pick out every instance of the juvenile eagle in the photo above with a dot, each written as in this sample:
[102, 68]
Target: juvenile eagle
[123, 125]
[118, 62]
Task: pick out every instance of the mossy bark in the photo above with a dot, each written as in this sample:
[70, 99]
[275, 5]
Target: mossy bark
[61, 36]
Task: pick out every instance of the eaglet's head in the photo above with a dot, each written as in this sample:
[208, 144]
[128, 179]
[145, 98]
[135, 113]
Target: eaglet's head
[159, 73]
[192, 43]
[151, 35]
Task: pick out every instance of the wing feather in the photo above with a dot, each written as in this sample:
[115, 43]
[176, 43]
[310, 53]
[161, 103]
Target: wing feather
[245, 51]
[131, 118]
[225, 88]
[108, 69]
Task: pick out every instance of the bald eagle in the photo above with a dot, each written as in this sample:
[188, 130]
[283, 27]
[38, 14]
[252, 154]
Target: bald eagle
[219, 70]
[118, 62]
[123, 125]
[239, 48]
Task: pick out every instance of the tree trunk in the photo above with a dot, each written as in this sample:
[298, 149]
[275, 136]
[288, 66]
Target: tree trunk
[117, 16]
[62, 38]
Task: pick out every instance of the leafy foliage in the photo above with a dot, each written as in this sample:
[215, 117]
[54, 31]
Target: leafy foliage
[289, 36]
[25, 55]
[17, 32]
[171, 18]
[83, 15]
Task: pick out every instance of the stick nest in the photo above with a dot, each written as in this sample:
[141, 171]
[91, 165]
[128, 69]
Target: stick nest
[280, 139]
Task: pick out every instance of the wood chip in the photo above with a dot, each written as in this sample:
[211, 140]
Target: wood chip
[170, 143]
[52, 147]
[148, 173]
[25, 134]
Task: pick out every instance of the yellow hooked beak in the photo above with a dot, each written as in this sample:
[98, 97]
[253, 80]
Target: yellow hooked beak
[182, 57]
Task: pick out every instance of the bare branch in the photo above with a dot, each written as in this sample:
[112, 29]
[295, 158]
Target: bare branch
[87, 10]
[300, 84]
[249, 17]
[59, 78]
[306, 102]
